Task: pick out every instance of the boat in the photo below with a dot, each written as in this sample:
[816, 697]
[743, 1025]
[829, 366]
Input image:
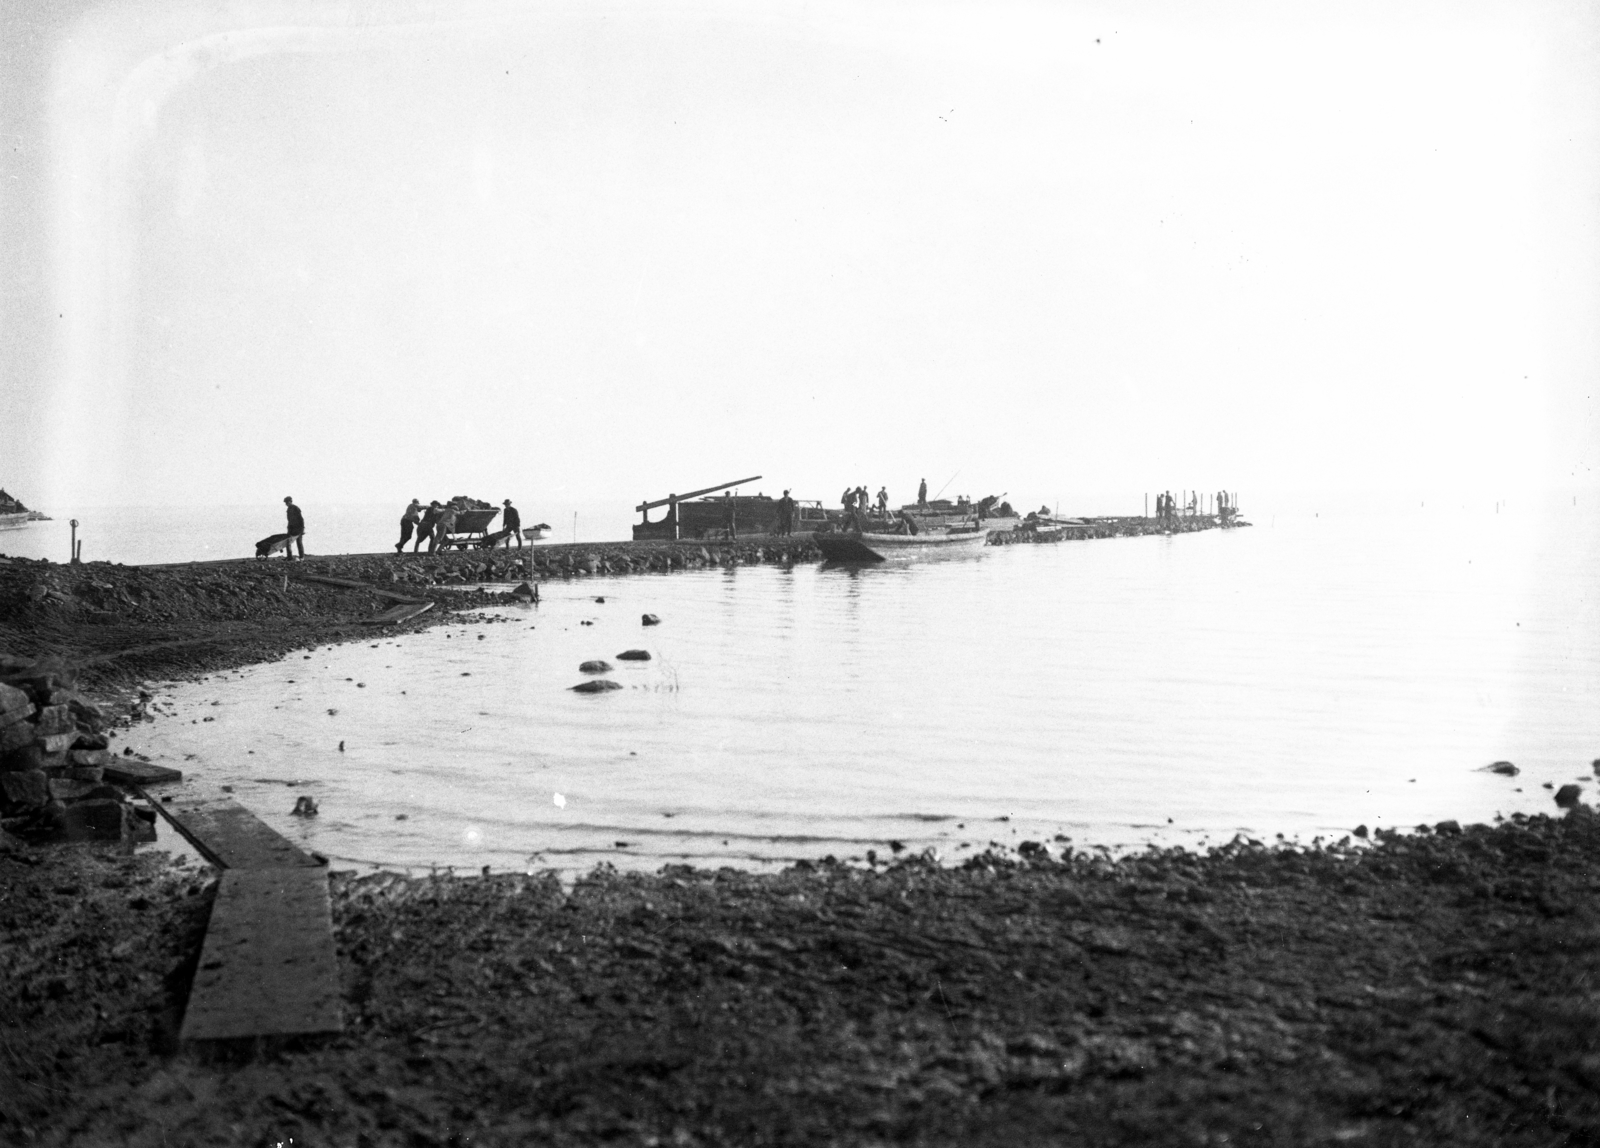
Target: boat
[13, 513]
[941, 513]
[865, 546]
[536, 533]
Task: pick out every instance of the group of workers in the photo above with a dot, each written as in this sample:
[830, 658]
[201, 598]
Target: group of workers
[1168, 508]
[432, 525]
[437, 522]
[856, 500]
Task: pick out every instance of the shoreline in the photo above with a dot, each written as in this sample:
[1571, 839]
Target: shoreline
[1425, 987]
[1431, 988]
[123, 626]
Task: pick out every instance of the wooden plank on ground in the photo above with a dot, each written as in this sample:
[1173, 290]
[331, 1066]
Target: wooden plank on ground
[230, 835]
[403, 613]
[268, 966]
[351, 584]
[128, 771]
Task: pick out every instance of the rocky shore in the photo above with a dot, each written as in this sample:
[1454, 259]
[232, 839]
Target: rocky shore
[1432, 987]
[53, 760]
[1429, 988]
[119, 626]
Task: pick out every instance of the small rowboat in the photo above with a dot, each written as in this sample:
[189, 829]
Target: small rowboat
[865, 547]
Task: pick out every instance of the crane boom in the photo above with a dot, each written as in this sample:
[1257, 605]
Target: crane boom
[644, 506]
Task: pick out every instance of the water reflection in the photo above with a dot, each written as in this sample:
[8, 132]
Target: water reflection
[1299, 680]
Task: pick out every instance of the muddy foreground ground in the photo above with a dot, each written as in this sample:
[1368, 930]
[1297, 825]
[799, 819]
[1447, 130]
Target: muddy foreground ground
[1436, 987]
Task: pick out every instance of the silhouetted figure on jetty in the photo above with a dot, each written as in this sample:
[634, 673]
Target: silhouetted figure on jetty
[296, 529]
[430, 519]
[511, 522]
[408, 523]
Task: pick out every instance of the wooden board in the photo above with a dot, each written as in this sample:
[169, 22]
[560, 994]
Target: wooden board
[268, 966]
[401, 613]
[127, 771]
[351, 584]
[229, 835]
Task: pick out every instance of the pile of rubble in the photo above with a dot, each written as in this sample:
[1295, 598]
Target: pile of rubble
[53, 757]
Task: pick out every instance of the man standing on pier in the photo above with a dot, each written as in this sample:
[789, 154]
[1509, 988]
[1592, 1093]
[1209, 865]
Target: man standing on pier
[512, 521]
[296, 531]
[784, 524]
[922, 493]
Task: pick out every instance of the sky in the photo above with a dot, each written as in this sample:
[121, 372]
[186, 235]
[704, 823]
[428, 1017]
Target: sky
[560, 252]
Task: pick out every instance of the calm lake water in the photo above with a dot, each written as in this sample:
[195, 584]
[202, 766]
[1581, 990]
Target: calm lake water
[1300, 677]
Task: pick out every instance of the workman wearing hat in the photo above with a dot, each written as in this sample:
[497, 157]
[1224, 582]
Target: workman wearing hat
[512, 521]
[296, 531]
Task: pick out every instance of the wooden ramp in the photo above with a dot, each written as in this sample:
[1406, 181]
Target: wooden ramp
[352, 584]
[229, 835]
[268, 966]
[396, 614]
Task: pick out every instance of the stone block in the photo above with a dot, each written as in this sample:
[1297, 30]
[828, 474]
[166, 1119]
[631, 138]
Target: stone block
[24, 789]
[16, 736]
[105, 820]
[91, 740]
[14, 704]
[57, 742]
[92, 773]
[30, 757]
[56, 720]
[91, 757]
[89, 716]
[66, 789]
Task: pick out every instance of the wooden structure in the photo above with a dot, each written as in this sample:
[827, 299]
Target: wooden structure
[697, 516]
[268, 968]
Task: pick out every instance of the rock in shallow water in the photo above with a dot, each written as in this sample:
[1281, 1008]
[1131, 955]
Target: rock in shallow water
[1567, 796]
[596, 686]
[597, 666]
[634, 656]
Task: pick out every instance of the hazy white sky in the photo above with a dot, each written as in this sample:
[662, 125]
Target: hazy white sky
[367, 251]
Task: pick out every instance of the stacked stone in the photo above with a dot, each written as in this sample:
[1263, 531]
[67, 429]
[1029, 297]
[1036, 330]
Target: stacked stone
[53, 755]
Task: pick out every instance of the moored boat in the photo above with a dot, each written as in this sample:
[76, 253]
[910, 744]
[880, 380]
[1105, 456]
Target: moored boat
[13, 513]
[865, 546]
[990, 514]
